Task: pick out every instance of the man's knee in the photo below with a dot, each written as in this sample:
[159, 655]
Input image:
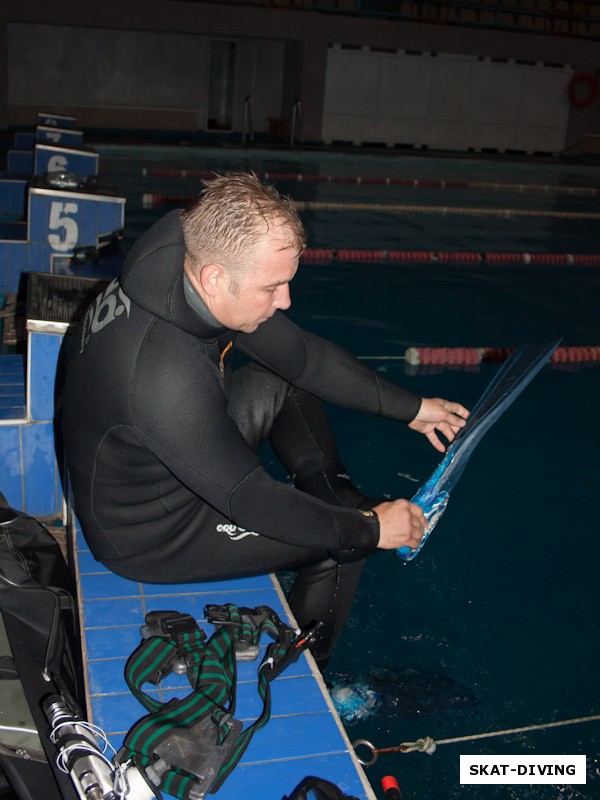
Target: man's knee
[257, 397]
[320, 570]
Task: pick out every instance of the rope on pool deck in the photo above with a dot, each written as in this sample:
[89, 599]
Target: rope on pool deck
[428, 745]
[150, 200]
[427, 183]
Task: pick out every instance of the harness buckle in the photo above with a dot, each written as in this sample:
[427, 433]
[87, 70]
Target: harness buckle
[183, 630]
[170, 623]
[247, 627]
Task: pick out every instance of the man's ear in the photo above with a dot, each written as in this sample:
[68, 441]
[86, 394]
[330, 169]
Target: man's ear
[209, 278]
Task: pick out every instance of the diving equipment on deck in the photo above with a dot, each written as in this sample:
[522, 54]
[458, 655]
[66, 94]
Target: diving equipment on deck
[188, 747]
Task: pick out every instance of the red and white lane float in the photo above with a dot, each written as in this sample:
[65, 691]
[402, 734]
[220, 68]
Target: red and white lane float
[425, 356]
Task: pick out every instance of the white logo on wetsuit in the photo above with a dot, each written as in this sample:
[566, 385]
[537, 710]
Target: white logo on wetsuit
[106, 308]
[234, 533]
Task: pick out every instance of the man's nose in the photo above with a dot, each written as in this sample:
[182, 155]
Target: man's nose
[283, 299]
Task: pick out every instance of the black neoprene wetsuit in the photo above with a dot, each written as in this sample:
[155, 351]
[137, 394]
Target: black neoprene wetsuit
[166, 485]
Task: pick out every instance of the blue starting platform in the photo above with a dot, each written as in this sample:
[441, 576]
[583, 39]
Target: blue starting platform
[304, 735]
[42, 159]
[28, 464]
[63, 224]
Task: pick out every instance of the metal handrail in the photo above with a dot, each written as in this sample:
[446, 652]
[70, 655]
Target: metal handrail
[247, 128]
[296, 122]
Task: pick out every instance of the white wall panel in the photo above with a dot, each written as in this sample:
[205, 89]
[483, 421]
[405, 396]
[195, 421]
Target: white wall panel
[406, 129]
[451, 88]
[351, 82]
[344, 126]
[539, 121]
[444, 101]
[492, 136]
[538, 85]
[405, 85]
[495, 92]
[530, 136]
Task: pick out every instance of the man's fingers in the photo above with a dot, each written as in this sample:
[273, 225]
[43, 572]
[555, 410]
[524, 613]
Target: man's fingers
[435, 441]
[458, 411]
[418, 522]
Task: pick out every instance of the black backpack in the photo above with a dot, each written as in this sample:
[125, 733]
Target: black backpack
[39, 656]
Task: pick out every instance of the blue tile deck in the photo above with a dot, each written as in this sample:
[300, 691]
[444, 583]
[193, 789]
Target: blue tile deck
[304, 735]
[12, 388]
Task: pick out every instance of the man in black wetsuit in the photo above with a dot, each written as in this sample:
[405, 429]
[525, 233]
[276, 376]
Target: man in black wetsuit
[161, 435]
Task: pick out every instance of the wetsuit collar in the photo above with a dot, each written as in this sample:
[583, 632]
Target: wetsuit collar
[197, 304]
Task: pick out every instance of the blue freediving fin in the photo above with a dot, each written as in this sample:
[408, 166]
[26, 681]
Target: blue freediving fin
[508, 383]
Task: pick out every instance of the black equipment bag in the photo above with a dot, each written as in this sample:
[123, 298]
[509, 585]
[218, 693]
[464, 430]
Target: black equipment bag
[39, 654]
[313, 788]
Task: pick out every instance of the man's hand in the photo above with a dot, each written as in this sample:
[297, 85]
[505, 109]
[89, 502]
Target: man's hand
[440, 415]
[401, 524]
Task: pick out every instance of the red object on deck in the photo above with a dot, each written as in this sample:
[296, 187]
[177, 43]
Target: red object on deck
[391, 788]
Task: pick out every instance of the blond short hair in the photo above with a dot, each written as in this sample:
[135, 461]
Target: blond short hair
[231, 216]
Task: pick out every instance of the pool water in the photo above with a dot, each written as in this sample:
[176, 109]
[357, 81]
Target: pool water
[495, 625]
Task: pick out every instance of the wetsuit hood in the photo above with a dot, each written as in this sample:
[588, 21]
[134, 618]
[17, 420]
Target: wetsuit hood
[152, 277]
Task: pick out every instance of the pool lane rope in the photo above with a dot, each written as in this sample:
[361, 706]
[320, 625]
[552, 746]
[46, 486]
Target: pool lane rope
[427, 183]
[473, 356]
[491, 355]
[325, 255]
[150, 200]
[428, 745]
[400, 208]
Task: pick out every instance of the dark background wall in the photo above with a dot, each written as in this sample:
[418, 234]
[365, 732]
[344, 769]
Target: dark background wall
[128, 64]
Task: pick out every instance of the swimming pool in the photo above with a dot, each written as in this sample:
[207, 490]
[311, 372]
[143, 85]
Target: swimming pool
[494, 626]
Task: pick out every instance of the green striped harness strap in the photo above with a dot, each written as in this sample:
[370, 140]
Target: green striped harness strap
[188, 747]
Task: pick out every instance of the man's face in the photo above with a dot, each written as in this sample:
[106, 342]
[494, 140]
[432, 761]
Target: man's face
[244, 304]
